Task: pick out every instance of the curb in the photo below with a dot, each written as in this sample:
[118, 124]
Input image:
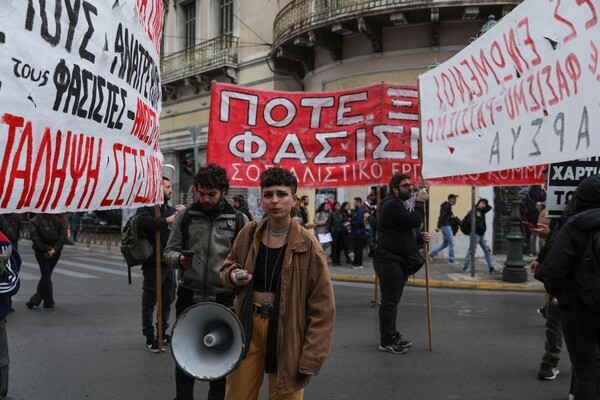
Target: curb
[419, 282]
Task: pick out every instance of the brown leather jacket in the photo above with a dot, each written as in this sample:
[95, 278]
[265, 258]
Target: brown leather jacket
[306, 304]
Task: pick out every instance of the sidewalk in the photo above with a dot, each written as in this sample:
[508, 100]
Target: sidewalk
[441, 274]
[444, 275]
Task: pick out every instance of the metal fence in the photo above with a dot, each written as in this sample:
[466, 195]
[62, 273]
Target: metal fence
[219, 51]
[109, 235]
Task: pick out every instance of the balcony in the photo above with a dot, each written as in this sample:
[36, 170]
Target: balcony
[303, 24]
[220, 53]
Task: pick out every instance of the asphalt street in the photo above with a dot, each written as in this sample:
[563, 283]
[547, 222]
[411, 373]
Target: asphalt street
[487, 344]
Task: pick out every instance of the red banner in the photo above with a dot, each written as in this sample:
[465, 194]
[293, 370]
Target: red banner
[354, 137]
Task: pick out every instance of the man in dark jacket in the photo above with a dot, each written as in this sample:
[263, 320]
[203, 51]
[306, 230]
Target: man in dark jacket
[482, 208]
[149, 224]
[572, 281]
[398, 226]
[444, 224]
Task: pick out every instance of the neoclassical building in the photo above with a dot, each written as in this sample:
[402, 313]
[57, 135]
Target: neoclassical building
[300, 45]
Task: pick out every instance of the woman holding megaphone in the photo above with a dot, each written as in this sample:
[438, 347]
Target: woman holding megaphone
[284, 297]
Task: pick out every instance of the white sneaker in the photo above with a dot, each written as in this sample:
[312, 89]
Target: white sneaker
[357, 267]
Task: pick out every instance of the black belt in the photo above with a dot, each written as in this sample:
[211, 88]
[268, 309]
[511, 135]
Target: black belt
[262, 311]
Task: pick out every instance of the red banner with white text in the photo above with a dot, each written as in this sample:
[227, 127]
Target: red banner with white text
[352, 137]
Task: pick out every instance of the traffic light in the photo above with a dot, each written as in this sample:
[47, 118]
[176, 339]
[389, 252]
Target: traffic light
[187, 163]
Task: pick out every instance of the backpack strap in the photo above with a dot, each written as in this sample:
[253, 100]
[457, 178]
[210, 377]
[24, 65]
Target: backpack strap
[239, 222]
[185, 227]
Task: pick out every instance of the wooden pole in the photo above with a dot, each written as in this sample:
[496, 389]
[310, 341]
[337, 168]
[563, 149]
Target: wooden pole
[376, 288]
[427, 291]
[426, 244]
[158, 285]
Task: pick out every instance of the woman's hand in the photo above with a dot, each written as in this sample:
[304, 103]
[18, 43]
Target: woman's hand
[239, 279]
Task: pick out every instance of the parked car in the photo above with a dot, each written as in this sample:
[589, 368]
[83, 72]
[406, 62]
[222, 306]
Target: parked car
[101, 221]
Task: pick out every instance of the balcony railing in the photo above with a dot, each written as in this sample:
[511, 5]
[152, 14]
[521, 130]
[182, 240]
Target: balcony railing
[218, 52]
[300, 16]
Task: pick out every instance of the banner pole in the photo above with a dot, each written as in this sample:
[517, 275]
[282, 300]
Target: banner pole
[424, 229]
[376, 282]
[158, 285]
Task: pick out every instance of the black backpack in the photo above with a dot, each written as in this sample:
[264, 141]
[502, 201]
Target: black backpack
[465, 224]
[587, 273]
[135, 247]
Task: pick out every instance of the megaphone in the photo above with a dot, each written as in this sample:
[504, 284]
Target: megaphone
[207, 341]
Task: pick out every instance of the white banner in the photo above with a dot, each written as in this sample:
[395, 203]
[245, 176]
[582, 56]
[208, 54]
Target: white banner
[80, 99]
[524, 93]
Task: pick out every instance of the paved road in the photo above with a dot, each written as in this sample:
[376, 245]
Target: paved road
[486, 344]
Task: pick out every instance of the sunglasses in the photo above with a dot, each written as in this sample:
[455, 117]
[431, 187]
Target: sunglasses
[407, 185]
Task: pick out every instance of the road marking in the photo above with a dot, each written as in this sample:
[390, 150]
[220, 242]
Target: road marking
[101, 269]
[26, 276]
[60, 271]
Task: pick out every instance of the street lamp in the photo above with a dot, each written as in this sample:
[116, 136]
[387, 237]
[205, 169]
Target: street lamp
[195, 133]
[514, 270]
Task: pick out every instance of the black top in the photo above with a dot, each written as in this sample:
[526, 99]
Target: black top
[274, 261]
[398, 225]
[445, 214]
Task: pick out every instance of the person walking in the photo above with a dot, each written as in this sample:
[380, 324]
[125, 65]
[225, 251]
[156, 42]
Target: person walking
[358, 232]
[444, 224]
[74, 224]
[48, 234]
[286, 303]
[398, 237]
[10, 263]
[207, 230]
[482, 207]
[149, 224]
[571, 274]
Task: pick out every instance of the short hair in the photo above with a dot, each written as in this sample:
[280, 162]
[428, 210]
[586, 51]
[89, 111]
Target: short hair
[166, 179]
[239, 199]
[358, 199]
[396, 179]
[482, 200]
[304, 197]
[212, 176]
[278, 176]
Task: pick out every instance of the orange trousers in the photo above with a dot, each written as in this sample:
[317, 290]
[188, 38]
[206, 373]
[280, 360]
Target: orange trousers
[245, 381]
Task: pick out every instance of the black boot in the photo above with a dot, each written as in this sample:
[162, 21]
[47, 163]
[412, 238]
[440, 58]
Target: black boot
[35, 301]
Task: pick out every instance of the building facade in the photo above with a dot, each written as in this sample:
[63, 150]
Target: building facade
[300, 45]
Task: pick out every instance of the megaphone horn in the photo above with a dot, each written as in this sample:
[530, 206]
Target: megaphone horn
[207, 341]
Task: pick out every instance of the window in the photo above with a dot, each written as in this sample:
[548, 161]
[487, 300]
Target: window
[189, 22]
[226, 16]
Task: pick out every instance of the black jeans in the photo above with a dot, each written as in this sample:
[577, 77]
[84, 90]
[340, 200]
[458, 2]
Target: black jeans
[149, 297]
[184, 384]
[392, 279]
[44, 288]
[581, 330]
[554, 337]
[358, 243]
[339, 244]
